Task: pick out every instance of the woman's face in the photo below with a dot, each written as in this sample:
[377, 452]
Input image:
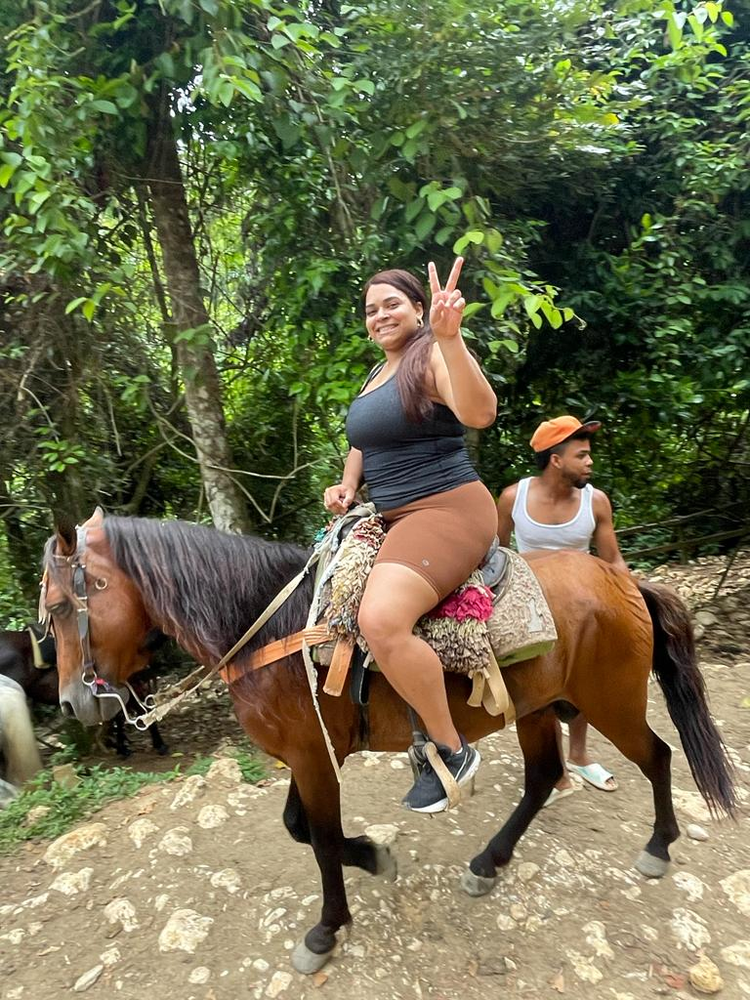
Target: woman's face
[391, 317]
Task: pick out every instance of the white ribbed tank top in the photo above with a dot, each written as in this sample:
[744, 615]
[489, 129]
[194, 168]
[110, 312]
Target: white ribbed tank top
[532, 535]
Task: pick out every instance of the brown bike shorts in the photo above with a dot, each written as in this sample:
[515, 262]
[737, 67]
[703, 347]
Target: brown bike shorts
[443, 537]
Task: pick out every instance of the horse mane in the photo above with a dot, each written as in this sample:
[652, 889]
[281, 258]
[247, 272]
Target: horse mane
[206, 587]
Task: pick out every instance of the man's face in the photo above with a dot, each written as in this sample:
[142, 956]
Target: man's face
[575, 463]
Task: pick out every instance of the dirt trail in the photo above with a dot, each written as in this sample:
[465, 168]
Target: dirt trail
[194, 890]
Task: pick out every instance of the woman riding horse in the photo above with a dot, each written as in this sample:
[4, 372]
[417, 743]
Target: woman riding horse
[407, 444]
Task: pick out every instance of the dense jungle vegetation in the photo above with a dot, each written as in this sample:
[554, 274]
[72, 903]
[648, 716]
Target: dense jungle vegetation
[193, 192]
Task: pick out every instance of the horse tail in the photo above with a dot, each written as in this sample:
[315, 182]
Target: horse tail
[19, 746]
[676, 669]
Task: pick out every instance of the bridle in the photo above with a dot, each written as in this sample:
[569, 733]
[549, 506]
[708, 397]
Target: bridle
[98, 686]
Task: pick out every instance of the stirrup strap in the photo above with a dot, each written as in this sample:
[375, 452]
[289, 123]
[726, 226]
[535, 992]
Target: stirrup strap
[447, 780]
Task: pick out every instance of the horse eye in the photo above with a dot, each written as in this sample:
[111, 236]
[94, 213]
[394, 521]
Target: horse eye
[60, 610]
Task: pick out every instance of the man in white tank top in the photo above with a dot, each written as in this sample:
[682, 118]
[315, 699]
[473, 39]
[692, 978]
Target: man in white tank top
[559, 509]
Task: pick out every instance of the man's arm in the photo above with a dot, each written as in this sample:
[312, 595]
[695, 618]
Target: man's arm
[605, 539]
[505, 514]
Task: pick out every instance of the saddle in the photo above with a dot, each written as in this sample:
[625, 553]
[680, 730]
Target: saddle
[497, 617]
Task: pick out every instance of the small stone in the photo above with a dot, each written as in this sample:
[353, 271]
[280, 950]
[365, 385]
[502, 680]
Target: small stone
[225, 770]
[83, 838]
[121, 911]
[696, 832]
[261, 965]
[199, 975]
[226, 879]
[71, 883]
[110, 957]
[382, 833]
[519, 912]
[35, 814]
[705, 976]
[192, 787]
[737, 887]
[527, 871]
[184, 931]
[280, 981]
[505, 922]
[140, 830]
[65, 775]
[737, 954]
[212, 816]
[176, 842]
[88, 979]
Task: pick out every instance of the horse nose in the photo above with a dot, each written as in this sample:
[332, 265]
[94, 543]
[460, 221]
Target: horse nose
[67, 710]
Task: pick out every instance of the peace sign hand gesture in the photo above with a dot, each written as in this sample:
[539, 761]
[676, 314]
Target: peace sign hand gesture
[448, 304]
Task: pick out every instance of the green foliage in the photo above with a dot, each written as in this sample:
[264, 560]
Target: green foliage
[97, 787]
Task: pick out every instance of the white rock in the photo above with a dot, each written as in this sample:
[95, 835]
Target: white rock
[584, 967]
[382, 833]
[280, 981]
[184, 931]
[696, 832]
[690, 884]
[140, 830]
[110, 957]
[161, 901]
[505, 922]
[564, 859]
[192, 787]
[225, 770]
[690, 929]
[737, 887]
[692, 803]
[527, 871]
[737, 954]
[88, 979]
[398, 765]
[71, 883]
[199, 975]
[226, 879]
[596, 936]
[212, 816]
[121, 911]
[176, 842]
[261, 965]
[83, 838]
[518, 911]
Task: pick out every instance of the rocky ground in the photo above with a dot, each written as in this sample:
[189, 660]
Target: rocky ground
[193, 891]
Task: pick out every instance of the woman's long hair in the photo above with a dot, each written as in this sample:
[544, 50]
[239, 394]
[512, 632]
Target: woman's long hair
[412, 375]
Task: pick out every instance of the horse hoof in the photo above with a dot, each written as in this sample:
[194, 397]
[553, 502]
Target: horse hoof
[476, 885]
[385, 863]
[651, 866]
[308, 962]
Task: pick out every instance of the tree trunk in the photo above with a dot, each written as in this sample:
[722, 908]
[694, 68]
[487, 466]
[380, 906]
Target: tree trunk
[195, 351]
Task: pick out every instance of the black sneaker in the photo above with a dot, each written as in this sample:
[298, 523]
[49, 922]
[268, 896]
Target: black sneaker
[427, 794]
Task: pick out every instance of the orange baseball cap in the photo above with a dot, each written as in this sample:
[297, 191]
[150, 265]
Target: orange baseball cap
[552, 432]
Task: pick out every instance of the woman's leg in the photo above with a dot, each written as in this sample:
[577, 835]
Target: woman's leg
[394, 599]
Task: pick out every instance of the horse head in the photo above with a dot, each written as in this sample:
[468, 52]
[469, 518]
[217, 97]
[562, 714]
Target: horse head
[98, 618]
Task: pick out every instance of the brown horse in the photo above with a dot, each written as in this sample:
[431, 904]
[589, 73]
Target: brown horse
[204, 587]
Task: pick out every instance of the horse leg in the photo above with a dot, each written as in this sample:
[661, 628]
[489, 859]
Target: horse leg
[122, 744]
[358, 852]
[157, 742]
[314, 812]
[537, 736]
[635, 739]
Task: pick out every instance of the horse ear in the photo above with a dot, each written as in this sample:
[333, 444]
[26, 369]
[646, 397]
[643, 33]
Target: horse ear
[96, 520]
[67, 540]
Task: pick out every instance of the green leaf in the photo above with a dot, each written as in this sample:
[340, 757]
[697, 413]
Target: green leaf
[88, 309]
[279, 41]
[75, 304]
[674, 31]
[473, 307]
[366, 85]
[6, 172]
[416, 128]
[106, 107]
[425, 225]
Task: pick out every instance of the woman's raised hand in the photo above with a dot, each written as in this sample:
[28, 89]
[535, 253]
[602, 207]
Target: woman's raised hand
[448, 304]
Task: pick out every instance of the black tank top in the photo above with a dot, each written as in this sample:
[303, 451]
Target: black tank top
[405, 461]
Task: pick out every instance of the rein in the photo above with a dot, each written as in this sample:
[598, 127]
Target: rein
[155, 707]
